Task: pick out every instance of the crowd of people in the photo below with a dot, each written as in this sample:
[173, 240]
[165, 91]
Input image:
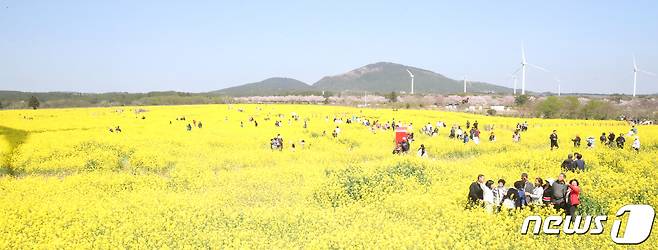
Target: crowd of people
[611, 140]
[558, 194]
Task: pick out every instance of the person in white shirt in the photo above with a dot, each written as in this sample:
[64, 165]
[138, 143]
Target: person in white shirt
[537, 193]
[488, 196]
[636, 144]
[499, 193]
[460, 133]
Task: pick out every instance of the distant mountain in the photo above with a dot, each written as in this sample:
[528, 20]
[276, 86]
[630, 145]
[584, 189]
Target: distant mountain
[384, 77]
[270, 86]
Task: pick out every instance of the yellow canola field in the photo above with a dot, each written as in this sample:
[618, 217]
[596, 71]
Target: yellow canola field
[67, 182]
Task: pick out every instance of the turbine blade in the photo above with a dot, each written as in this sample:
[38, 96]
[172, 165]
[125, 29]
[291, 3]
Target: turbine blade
[523, 52]
[540, 68]
[410, 74]
[634, 63]
[648, 73]
[517, 71]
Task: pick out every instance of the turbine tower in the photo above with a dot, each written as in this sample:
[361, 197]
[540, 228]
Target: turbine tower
[559, 86]
[514, 80]
[635, 70]
[412, 81]
[524, 67]
[464, 84]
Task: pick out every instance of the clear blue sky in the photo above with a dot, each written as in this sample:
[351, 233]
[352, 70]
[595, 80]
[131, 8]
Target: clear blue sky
[136, 46]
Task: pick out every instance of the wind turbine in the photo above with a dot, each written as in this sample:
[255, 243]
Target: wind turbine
[559, 86]
[523, 68]
[412, 81]
[465, 81]
[635, 70]
[514, 80]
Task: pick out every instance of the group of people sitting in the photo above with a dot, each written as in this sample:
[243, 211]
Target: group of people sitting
[559, 194]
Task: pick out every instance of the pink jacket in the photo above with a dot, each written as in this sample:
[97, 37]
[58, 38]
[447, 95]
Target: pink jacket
[574, 194]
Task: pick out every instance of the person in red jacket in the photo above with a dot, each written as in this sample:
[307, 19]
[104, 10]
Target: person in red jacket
[574, 197]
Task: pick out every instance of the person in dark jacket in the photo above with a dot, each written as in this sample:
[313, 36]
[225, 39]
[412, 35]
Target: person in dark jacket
[611, 139]
[620, 141]
[579, 163]
[559, 198]
[527, 185]
[603, 138]
[553, 138]
[568, 165]
[475, 192]
[548, 193]
[576, 141]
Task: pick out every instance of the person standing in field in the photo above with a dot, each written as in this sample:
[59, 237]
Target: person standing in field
[548, 192]
[603, 138]
[568, 164]
[527, 185]
[516, 137]
[421, 151]
[475, 192]
[199, 125]
[476, 135]
[189, 127]
[620, 141]
[590, 142]
[537, 194]
[574, 197]
[460, 133]
[492, 137]
[636, 144]
[488, 196]
[576, 141]
[522, 199]
[559, 193]
[611, 139]
[579, 163]
[553, 138]
[499, 193]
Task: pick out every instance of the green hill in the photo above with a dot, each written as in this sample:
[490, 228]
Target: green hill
[384, 77]
[270, 86]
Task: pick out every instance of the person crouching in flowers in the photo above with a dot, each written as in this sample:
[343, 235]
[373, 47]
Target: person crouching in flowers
[475, 192]
[509, 200]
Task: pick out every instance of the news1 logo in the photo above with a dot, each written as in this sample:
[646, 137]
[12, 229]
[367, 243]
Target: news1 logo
[637, 230]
